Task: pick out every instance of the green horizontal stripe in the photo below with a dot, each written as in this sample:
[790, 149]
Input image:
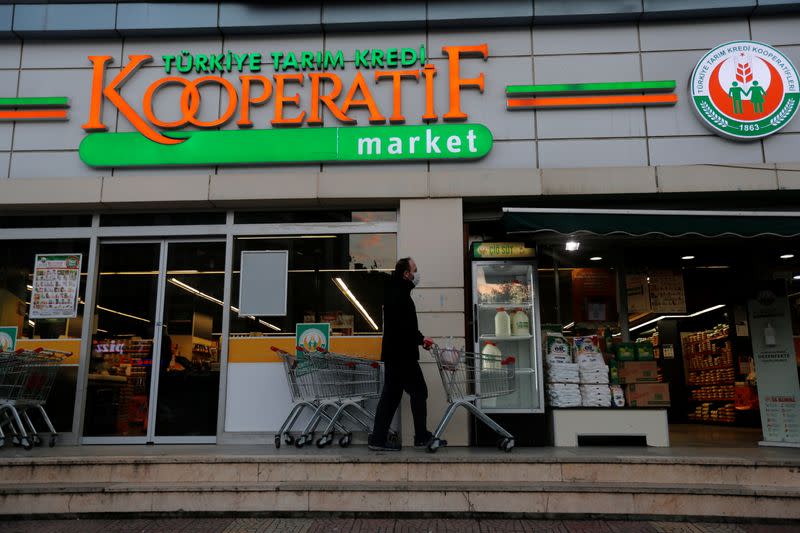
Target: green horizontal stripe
[41, 101]
[307, 145]
[578, 88]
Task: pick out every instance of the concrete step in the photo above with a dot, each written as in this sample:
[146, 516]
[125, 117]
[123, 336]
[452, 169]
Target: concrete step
[509, 468]
[556, 498]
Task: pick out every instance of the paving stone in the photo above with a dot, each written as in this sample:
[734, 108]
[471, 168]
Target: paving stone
[768, 528]
[248, 525]
[543, 526]
[586, 526]
[331, 526]
[501, 526]
[288, 525]
[371, 525]
[675, 527]
[624, 526]
[719, 528]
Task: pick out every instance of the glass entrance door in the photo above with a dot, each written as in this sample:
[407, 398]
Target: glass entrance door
[154, 368]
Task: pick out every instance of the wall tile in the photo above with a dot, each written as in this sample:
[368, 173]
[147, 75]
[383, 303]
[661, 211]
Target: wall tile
[692, 8]
[776, 30]
[455, 13]
[75, 84]
[591, 39]
[167, 18]
[5, 157]
[679, 119]
[69, 53]
[593, 123]
[586, 68]
[65, 19]
[349, 42]
[699, 150]
[298, 17]
[557, 11]
[783, 148]
[9, 54]
[504, 155]
[6, 21]
[590, 153]
[501, 42]
[34, 165]
[691, 35]
[700, 178]
[392, 14]
[607, 180]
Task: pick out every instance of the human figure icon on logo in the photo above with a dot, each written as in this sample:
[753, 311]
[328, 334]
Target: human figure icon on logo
[736, 93]
[757, 94]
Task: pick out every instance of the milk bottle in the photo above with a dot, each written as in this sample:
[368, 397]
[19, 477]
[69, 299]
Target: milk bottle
[502, 323]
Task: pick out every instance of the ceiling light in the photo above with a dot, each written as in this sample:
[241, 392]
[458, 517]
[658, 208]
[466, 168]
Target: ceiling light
[340, 284]
[797, 277]
[572, 246]
[596, 258]
[189, 288]
[698, 313]
[687, 257]
[787, 256]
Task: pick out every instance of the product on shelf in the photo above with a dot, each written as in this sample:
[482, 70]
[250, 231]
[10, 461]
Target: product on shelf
[586, 345]
[556, 349]
[596, 373]
[709, 412]
[595, 396]
[711, 375]
[563, 373]
[617, 396]
[647, 395]
[520, 323]
[502, 323]
[644, 351]
[626, 351]
[491, 349]
[637, 372]
[563, 395]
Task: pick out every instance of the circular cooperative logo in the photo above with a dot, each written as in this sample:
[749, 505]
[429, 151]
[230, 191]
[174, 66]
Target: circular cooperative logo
[6, 342]
[745, 90]
[311, 339]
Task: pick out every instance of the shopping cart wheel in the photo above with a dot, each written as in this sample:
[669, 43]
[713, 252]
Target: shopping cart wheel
[324, 440]
[288, 439]
[37, 441]
[277, 441]
[434, 445]
[345, 441]
[53, 439]
[2, 442]
[28, 445]
[301, 441]
[505, 444]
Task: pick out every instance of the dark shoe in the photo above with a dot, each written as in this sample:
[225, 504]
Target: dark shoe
[420, 443]
[387, 446]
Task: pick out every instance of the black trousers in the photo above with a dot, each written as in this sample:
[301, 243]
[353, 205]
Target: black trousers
[398, 377]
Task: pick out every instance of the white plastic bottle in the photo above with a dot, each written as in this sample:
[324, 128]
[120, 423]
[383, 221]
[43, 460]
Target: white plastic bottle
[502, 323]
[493, 361]
[520, 325]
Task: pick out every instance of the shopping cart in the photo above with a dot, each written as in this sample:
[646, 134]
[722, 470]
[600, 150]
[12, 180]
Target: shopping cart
[468, 377]
[352, 380]
[333, 387]
[26, 378]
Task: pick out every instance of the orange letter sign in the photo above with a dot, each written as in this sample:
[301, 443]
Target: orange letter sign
[454, 53]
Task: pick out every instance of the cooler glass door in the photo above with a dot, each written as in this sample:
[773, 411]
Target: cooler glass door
[503, 288]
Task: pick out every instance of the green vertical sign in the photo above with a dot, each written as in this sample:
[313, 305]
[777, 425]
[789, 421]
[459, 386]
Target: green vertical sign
[8, 339]
[312, 337]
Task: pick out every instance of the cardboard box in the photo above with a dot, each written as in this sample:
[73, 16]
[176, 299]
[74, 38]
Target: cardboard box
[644, 351]
[638, 372]
[626, 351]
[647, 395]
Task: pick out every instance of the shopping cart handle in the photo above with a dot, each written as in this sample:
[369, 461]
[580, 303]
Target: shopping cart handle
[277, 350]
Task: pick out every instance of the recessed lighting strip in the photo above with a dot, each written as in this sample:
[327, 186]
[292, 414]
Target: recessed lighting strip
[350, 296]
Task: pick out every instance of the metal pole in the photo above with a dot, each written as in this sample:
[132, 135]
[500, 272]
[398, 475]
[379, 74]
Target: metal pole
[558, 289]
[622, 298]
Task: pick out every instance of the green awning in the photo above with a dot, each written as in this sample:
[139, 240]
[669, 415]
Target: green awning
[638, 223]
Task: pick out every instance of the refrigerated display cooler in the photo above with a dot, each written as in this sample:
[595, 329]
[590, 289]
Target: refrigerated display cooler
[504, 282]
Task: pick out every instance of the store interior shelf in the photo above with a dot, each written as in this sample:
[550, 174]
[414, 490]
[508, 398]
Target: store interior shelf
[495, 305]
[713, 400]
[717, 367]
[715, 384]
[512, 338]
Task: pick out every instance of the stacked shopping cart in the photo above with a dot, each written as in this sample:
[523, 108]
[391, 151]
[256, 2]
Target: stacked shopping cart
[26, 378]
[333, 389]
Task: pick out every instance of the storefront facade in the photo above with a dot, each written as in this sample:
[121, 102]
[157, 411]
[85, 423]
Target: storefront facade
[349, 139]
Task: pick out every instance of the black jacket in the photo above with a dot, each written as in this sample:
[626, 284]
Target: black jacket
[401, 335]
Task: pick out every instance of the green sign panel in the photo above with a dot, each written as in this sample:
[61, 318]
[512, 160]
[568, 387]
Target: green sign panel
[313, 336]
[8, 339]
[502, 250]
[307, 145]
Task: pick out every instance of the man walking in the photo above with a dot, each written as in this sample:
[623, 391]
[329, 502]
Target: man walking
[400, 356]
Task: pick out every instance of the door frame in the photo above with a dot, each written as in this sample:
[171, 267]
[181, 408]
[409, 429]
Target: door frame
[158, 332]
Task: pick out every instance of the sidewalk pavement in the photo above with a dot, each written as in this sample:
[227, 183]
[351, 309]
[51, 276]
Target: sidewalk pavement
[378, 525]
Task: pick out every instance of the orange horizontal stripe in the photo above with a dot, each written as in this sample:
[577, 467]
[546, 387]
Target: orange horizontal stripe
[36, 114]
[592, 101]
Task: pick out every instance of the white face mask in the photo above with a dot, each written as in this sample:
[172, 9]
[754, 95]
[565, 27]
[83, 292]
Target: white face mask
[417, 278]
